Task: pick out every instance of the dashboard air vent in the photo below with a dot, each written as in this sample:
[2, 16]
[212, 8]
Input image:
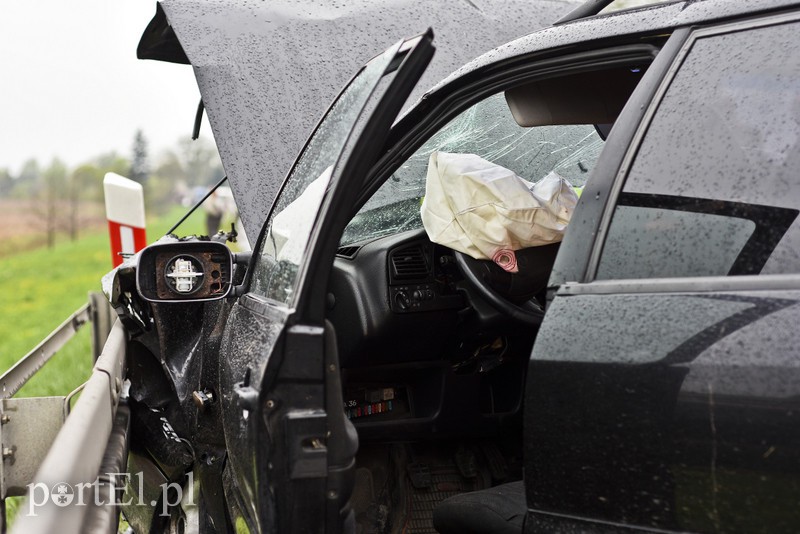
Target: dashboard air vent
[348, 252]
[409, 264]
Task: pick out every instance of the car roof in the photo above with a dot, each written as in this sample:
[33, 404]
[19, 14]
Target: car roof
[649, 19]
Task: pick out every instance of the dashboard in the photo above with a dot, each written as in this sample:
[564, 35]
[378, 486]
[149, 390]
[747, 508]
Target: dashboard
[413, 349]
[394, 300]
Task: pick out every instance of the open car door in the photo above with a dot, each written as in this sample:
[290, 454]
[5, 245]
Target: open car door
[291, 449]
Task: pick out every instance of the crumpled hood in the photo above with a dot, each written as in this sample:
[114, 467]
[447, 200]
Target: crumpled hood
[268, 71]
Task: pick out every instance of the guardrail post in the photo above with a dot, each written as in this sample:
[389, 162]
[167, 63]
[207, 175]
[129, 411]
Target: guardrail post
[102, 316]
[28, 427]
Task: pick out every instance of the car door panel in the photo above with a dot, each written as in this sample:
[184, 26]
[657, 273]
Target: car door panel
[652, 405]
[291, 449]
[257, 328]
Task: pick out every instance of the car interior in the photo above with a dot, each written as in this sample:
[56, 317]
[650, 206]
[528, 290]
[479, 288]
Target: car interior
[434, 348]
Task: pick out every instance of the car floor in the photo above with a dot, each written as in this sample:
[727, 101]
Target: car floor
[397, 486]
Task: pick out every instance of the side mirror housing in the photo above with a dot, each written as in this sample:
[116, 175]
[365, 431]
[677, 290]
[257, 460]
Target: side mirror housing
[188, 271]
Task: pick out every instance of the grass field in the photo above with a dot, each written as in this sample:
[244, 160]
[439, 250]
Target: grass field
[42, 287]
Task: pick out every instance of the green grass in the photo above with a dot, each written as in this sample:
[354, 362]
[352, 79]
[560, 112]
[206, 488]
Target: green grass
[40, 288]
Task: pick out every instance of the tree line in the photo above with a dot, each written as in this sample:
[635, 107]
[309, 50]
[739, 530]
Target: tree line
[61, 198]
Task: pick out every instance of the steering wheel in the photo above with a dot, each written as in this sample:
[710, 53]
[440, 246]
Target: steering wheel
[534, 264]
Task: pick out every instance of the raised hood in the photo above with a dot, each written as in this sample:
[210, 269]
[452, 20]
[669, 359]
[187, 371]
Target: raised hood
[267, 71]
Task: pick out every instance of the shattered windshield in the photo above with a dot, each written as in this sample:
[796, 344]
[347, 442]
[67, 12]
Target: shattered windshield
[488, 130]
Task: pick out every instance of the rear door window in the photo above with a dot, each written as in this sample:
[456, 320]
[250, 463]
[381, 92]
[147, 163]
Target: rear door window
[713, 190]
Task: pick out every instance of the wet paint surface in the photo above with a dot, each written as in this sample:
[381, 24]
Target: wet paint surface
[269, 70]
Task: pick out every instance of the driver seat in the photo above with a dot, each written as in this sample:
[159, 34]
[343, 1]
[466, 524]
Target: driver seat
[497, 510]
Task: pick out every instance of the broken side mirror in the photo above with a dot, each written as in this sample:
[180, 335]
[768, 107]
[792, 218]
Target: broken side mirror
[189, 271]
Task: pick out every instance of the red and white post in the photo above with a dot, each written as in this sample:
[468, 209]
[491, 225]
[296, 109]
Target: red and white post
[125, 214]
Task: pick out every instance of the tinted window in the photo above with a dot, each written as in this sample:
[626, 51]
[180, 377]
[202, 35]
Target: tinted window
[713, 189]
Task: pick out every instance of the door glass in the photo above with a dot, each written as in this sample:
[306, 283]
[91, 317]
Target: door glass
[289, 226]
[713, 190]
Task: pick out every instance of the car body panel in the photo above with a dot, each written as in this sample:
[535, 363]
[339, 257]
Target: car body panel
[686, 401]
[268, 70]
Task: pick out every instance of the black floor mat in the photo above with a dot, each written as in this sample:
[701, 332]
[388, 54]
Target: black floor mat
[446, 481]
[398, 486]
[447, 478]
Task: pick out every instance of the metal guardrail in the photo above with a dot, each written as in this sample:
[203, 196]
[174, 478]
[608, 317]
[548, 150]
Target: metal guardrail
[75, 458]
[45, 446]
[12, 380]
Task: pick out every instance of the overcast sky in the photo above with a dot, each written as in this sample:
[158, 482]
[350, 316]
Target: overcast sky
[71, 86]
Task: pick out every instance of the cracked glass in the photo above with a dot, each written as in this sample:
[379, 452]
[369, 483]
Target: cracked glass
[488, 130]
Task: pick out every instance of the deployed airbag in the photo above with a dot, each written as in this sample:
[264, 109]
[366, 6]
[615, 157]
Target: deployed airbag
[488, 212]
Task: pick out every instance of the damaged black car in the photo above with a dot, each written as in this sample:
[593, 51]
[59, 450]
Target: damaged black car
[558, 293]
